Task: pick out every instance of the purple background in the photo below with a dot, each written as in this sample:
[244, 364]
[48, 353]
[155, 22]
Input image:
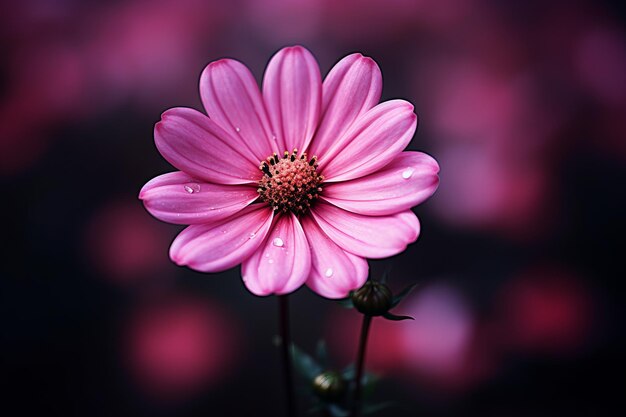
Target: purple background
[523, 104]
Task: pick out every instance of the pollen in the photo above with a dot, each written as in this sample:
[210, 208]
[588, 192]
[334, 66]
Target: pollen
[290, 183]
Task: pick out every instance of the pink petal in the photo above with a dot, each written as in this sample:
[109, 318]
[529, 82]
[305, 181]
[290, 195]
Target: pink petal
[372, 142]
[215, 247]
[406, 182]
[282, 264]
[197, 145]
[367, 236]
[292, 91]
[351, 88]
[334, 273]
[179, 198]
[232, 99]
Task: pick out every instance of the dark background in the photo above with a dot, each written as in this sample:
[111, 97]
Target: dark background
[523, 104]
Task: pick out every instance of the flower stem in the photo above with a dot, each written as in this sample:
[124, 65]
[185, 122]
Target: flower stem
[285, 336]
[356, 400]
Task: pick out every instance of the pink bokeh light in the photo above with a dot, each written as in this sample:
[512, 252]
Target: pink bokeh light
[385, 354]
[180, 346]
[546, 310]
[494, 135]
[600, 63]
[444, 348]
[73, 63]
[437, 342]
[125, 245]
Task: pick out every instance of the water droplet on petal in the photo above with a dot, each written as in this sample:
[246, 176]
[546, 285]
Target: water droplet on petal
[237, 130]
[252, 235]
[278, 242]
[274, 136]
[271, 261]
[407, 173]
[329, 272]
[192, 187]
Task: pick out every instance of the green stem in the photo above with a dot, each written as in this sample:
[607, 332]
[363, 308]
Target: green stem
[356, 400]
[285, 336]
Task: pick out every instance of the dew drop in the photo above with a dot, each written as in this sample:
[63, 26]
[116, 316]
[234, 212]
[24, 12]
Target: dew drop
[192, 187]
[271, 261]
[407, 173]
[278, 242]
[274, 136]
[237, 130]
[329, 272]
[252, 235]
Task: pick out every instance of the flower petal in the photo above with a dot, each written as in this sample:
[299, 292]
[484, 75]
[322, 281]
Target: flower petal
[292, 90]
[233, 100]
[197, 145]
[367, 236]
[406, 182]
[334, 272]
[371, 143]
[351, 88]
[179, 198]
[219, 246]
[282, 264]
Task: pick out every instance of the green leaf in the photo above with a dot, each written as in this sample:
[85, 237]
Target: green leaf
[393, 317]
[305, 364]
[402, 294]
[349, 372]
[346, 302]
[322, 353]
[368, 382]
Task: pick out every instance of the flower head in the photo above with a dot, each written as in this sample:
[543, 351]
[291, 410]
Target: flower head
[329, 385]
[299, 183]
[373, 298]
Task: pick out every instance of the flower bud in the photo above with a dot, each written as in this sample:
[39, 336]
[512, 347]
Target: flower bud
[372, 299]
[330, 386]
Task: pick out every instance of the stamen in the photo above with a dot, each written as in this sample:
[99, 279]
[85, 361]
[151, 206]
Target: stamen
[266, 169]
[290, 183]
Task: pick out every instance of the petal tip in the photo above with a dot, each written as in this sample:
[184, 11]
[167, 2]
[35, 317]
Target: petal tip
[174, 257]
[295, 50]
[158, 126]
[367, 60]
[219, 63]
[167, 113]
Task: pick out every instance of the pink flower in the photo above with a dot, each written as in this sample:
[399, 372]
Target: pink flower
[299, 183]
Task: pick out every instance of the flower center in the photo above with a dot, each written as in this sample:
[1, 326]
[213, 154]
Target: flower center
[290, 183]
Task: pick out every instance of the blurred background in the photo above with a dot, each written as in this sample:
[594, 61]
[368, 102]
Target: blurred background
[518, 312]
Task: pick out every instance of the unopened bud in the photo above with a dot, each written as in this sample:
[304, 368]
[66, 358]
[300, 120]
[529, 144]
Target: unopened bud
[330, 386]
[372, 299]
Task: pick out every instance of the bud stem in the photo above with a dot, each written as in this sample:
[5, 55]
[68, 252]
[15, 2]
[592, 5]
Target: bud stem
[356, 401]
[285, 335]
